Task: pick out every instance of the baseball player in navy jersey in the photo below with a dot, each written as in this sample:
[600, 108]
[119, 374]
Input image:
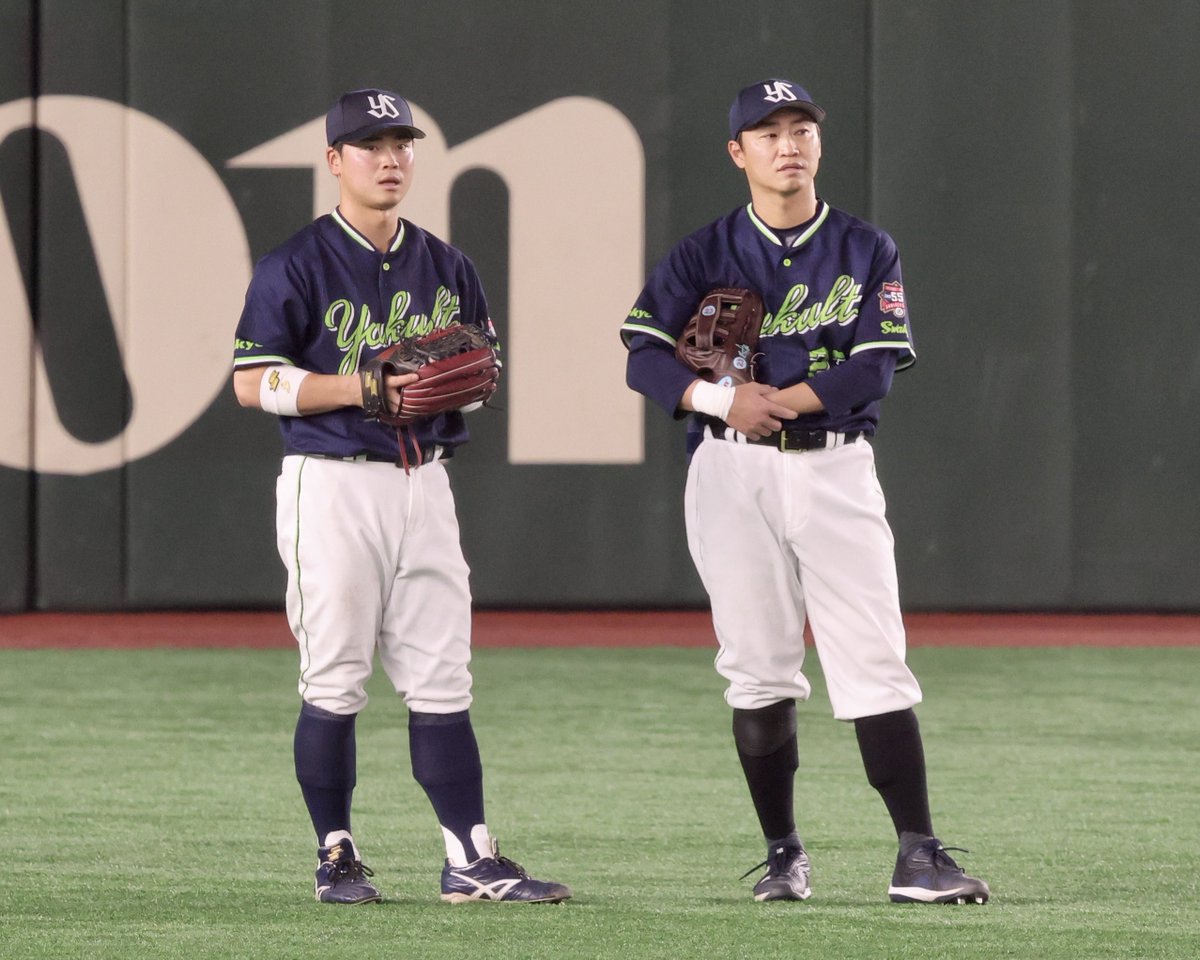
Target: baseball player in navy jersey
[785, 518]
[372, 551]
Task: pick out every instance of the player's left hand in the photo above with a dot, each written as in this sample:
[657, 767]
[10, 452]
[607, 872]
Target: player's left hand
[756, 412]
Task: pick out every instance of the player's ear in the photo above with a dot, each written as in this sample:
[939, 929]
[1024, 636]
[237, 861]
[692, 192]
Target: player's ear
[735, 152]
[333, 158]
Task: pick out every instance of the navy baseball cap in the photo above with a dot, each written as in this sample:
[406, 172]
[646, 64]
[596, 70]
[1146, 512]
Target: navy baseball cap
[759, 100]
[364, 113]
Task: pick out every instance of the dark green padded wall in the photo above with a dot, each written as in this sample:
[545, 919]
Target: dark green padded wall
[1036, 162]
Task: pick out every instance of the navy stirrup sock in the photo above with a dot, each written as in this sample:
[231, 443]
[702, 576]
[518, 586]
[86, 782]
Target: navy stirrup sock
[445, 762]
[326, 768]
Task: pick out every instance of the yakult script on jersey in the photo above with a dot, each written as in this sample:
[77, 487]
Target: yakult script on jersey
[840, 306]
[356, 330]
[832, 286]
[327, 301]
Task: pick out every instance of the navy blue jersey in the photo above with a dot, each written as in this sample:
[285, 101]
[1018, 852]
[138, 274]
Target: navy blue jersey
[835, 315]
[327, 301]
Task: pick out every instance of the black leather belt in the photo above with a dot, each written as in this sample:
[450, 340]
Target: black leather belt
[791, 439]
[360, 458]
[428, 455]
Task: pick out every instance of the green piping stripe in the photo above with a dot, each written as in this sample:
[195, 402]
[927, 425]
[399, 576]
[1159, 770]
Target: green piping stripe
[807, 234]
[762, 227]
[801, 240]
[628, 329]
[399, 238]
[299, 585]
[353, 234]
[255, 360]
[901, 364]
[363, 241]
[882, 345]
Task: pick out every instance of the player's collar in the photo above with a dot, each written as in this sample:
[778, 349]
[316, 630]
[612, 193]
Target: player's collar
[813, 227]
[363, 241]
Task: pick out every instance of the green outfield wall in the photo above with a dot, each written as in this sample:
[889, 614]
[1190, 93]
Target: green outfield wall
[1036, 161]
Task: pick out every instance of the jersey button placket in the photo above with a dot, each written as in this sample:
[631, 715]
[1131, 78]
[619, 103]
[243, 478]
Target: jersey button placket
[384, 288]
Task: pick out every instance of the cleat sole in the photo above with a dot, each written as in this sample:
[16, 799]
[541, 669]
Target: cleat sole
[464, 898]
[957, 899]
[378, 898]
[794, 897]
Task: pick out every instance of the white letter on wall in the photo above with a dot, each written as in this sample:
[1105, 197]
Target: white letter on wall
[174, 261]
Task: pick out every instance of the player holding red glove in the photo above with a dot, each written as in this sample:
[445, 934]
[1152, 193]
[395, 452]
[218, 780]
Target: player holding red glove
[372, 553]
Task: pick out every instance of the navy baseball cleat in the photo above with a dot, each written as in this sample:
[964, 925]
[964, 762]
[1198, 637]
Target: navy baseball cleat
[342, 876]
[787, 873]
[926, 873]
[497, 879]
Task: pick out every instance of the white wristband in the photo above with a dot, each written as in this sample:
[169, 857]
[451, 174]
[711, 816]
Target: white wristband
[712, 399]
[279, 391]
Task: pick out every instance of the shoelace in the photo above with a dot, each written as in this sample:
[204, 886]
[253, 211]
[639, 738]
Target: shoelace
[943, 858]
[512, 865]
[781, 857]
[757, 866]
[351, 870]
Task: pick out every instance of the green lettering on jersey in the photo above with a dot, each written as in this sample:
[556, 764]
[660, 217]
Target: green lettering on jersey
[822, 358]
[840, 307]
[354, 330]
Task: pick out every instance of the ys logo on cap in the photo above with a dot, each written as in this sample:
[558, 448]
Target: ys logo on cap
[778, 92]
[384, 106]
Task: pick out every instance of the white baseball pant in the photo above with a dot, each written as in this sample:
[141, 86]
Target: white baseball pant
[374, 562]
[777, 537]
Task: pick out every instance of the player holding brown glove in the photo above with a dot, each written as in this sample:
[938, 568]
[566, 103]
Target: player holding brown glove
[456, 368]
[720, 342]
[374, 563]
[785, 517]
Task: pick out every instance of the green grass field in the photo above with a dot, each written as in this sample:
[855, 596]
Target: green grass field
[149, 810]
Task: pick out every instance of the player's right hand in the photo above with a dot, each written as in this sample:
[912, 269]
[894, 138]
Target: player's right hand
[755, 412]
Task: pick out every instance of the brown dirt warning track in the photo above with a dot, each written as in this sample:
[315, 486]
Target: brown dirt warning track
[632, 628]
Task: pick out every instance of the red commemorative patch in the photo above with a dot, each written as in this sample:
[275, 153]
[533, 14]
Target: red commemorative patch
[891, 299]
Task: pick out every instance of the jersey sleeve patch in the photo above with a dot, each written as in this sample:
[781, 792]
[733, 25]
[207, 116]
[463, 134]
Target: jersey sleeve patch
[891, 299]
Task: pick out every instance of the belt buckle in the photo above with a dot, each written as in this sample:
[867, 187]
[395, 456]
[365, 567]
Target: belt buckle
[817, 440]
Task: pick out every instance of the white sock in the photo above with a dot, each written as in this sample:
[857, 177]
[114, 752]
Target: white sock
[456, 853]
[336, 837]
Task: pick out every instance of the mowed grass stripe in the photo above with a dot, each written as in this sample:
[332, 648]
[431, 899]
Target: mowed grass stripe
[150, 810]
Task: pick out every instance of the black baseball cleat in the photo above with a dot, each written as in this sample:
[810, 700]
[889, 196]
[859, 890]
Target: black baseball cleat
[787, 873]
[342, 876]
[497, 879]
[926, 873]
